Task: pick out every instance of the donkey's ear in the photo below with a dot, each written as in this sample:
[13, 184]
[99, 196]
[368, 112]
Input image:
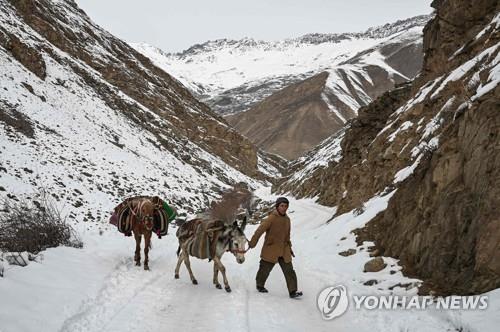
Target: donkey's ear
[244, 223]
[235, 223]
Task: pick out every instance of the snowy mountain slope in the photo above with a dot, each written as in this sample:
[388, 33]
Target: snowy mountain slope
[307, 172]
[71, 124]
[87, 147]
[65, 26]
[233, 75]
[292, 120]
[305, 168]
[98, 288]
[297, 118]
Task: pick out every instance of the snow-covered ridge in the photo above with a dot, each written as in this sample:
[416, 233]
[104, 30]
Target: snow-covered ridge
[233, 75]
[225, 65]
[247, 43]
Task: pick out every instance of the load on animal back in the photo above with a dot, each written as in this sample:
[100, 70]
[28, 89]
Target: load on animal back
[201, 234]
[124, 214]
[142, 215]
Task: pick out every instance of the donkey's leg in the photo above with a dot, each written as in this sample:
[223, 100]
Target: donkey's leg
[147, 244]
[222, 269]
[180, 259]
[188, 266]
[216, 276]
[137, 256]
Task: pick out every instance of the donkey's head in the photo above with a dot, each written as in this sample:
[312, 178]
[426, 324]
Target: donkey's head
[146, 213]
[237, 240]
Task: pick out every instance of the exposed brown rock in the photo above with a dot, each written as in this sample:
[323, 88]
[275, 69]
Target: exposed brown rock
[370, 282]
[348, 252]
[445, 221]
[406, 59]
[375, 265]
[16, 120]
[456, 23]
[25, 54]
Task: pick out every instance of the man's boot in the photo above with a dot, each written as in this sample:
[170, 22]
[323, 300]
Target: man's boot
[262, 289]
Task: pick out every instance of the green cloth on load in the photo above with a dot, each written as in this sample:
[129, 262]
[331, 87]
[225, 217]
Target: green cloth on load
[170, 212]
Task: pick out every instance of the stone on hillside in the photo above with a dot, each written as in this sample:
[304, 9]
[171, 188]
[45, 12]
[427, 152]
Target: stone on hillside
[370, 282]
[375, 265]
[347, 252]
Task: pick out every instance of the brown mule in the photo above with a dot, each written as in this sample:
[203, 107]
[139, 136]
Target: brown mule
[142, 210]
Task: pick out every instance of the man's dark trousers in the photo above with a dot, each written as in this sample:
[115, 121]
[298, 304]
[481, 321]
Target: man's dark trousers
[287, 268]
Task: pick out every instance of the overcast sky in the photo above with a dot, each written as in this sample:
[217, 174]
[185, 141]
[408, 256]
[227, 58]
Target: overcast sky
[177, 25]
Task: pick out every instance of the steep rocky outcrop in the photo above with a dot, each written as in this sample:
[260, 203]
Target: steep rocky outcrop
[434, 142]
[444, 221]
[451, 35]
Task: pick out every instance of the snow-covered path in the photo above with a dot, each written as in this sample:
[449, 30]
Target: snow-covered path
[131, 299]
[99, 288]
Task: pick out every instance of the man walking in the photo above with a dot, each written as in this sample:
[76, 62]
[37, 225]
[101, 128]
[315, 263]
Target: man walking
[277, 248]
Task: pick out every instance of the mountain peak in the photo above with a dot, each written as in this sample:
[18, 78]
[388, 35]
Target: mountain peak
[244, 43]
[389, 29]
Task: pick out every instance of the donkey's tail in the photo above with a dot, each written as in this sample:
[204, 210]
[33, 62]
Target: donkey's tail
[178, 250]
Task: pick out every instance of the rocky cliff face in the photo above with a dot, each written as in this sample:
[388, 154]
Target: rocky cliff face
[435, 142]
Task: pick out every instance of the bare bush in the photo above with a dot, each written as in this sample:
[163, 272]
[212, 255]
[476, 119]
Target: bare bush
[34, 226]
